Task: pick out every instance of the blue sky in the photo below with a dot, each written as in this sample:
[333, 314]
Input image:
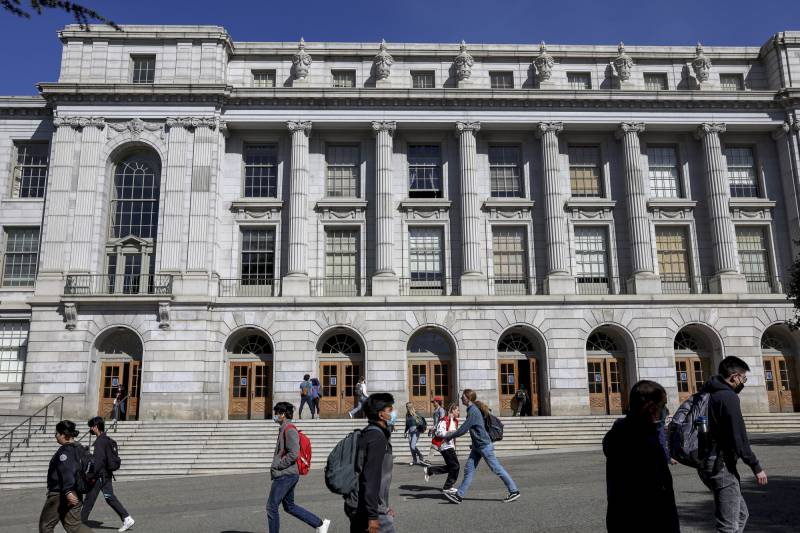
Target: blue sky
[31, 50]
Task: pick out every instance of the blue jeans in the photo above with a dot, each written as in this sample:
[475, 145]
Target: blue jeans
[487, 453]
[416, 455]
[282, 491]
[306, 400]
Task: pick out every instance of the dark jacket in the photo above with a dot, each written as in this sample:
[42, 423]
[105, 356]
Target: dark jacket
[62, 470]
[476, 427]
[374, 473]
[411, 424]
[638, 480]
[102, 451]
[726, 425]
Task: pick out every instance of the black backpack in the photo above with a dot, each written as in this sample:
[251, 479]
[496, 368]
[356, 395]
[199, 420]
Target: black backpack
[85, 475]
[494, 427]
[113, 460]
[422, 424]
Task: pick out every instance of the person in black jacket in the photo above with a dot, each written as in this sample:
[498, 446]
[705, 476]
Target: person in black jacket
[729, 444]
[63, 503]
[638, 480]
[368, 509]
[104, 475]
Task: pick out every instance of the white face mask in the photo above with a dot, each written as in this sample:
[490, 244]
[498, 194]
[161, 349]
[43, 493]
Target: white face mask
[276, 419]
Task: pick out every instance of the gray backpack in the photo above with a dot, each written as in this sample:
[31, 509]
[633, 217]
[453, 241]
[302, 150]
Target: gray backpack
[687, 443]
[341, 476]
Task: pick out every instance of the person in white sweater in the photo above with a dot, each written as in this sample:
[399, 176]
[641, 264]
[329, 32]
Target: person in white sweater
[447, 448]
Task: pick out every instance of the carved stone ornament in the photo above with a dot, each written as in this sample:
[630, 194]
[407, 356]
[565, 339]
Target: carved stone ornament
[163, 315]
[70, 316]
[461, 127]
[80, 122]
[543, 64]
[786, 128]
[389, 126]
[299, 125]
[701, 64]
[301, 61]
[192, 122]
[544, 127]
[710, 128]
[463, 63]
[134, 126]
[630, 127]
[382, 63]
[622, 65]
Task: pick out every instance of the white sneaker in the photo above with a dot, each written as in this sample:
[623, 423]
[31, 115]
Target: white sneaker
[350, 414]
[127, 524]
[451, 490]
[324, 527]
[427, 474]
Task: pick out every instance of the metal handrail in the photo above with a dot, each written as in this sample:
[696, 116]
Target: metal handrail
[29, 421]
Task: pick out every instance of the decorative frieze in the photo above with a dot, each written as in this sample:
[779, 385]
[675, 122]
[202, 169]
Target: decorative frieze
[744, 209]
[79, 123]
[590, 209]
[257, 209]
[671, 208]
[425, 209]
[135, 127]
[332, 210]
[192, 122]
[500, 209]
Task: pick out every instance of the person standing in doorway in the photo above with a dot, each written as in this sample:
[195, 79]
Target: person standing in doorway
[448, 423]
[521, 398]
[316, 394]
[414, 426]
[305, 396]
[285, 474]
[482, 448]
[120, 399]
[361, 394]
[106, 461]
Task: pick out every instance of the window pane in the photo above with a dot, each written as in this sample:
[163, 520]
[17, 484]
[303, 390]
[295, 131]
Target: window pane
[584, 171]
[260, 171]
[344, 78]
[501, 80]
[423, 80]
[655, 81]
[341, 262]
[263, 78]
[258, 256]
[742, 172]
[343, 170]
[135, 201]
[425, 258]
[753, 259]
[591, 252]
[505, 171]
[424, 171]
[662, 163]
[510, 260]
[21, 257]
[144, 69]
[30, 171]
[13, 344]
[579, 80]
[731, 82]
[673, 259]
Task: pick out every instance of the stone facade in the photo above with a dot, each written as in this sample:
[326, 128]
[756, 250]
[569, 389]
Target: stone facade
[205, 99]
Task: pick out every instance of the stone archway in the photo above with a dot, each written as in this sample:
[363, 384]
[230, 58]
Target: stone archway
[250, 369]
[119, 354]
[697, 352]
[779, 355]
[520, 364]
[341, 364]
[610, 358]
[431, 357]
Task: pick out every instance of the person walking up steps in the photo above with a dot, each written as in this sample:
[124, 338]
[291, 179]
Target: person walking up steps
[316, 394]
[448, 450]
[285, 474]
[415, 426]
[361, 394]
[305, 396]
[482, 447]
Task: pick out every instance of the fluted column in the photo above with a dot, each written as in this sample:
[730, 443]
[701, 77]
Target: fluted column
[786, 140]
[473, 279]
[90, 183]
[559, 280]
[385, 282]
[296, 283]
[644, 279]
[723, 237]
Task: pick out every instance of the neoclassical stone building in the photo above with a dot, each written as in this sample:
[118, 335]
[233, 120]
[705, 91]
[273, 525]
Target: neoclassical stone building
[202, 221]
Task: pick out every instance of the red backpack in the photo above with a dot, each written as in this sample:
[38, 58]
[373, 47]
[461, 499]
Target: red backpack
[304, 457]
[438, 441]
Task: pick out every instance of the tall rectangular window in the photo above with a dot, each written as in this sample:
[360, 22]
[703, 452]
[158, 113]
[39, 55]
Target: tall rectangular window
[509, 255]
[423, 79]
[731, 82]
[754, 259]
[505, 170]
[662, 165]
[21, 257]
[343, 164]
[591, 249]
[13, 344]
[742, 172]
[341, 262]
[263, 78]
[426, 260]
[584, 171]
[579, 80]
[424, 171]
[343, 78]
[30, 170]
[258, 257]
[673, 260]
[501, 80]
[655, 81]
[260, 171]
[144, 69]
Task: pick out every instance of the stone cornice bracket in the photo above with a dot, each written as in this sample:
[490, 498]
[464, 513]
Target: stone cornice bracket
[223, 129]
[701, 64]
[628, 127]
[301, 61]
[622, 65]
[543, 64]
[378, 126]
[135, 127]
[709, 128]
[299, 125]
[382, 63]
[545, 127]
[192, 122]
[70, 316]
[461, 127]
[786, 128]
[80, 122]
[462, 64]
[163, 315]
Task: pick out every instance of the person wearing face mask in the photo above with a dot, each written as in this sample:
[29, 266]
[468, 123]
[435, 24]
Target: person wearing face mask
[729, 444]
[638, 480]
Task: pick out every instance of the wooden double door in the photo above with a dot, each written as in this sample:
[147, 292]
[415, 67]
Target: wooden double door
[607, 385]
[780, 380]
[339, 380]
[428, 379]
[691, 374]
[250, 390]
[116, 375]
[512, 374]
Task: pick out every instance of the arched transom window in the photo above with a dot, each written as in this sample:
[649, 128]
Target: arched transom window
[685, 342]
[252, 345]
[600, 342]
[515, 343]
[341, 344]
[771, 342]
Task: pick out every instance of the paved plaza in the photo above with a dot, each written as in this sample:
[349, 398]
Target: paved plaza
[561, 492]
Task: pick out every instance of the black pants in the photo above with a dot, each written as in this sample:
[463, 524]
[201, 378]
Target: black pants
[103, 485]
[451, 467]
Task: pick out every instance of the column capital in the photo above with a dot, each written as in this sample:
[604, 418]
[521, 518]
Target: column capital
[299, 125]
[630, 127]
[192, 122]
[710, 128]
[545, 127]
[784, 129]
[389, 125]
[79, 123]
[461, 127]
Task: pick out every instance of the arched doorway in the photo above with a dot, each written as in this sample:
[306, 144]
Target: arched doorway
[780, 370]
[249, 376]
[517, 366]
[120, 353]
[606, 356]
[431, 359]
[341, 364]
[693, 361]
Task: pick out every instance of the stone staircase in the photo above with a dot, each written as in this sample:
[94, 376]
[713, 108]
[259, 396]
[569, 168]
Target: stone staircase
[203, 447]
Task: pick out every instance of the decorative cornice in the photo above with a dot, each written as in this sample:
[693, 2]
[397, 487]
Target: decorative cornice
[622, 65]
[135, 127]
[382, 63]
[462, 64]
[299, 125]
[301, 61]
[545, 127]
[630, 127]
[192, 122]
[710, 128]
[473, 127]
[543, 64]
[79, 122]
[388, 125]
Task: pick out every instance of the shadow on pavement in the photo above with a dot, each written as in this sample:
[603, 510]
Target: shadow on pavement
[776, 439]
[99, 525]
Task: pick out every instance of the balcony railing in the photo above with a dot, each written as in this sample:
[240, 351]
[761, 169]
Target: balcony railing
[120, 285]
[336, 286]
[762, 284]
[677, 284]
[428, 285]
[511, 286]
[601, 285]
[249, 287]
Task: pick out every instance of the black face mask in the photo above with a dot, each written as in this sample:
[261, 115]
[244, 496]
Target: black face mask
[738, 388]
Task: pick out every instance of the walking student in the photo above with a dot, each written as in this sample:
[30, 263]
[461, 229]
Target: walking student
[438, 413]
[521, 398]
[638, 480]
[63, 503]
[316, 394]
[361, 394]
[285, 474]
[447, 448]
[482, 448]
[106, 461]
[305, 396]
[414, 427]
[368, 508]
[729, 435]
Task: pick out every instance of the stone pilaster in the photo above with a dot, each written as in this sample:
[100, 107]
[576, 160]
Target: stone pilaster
[90, 182]
[786, 139]
[384, 282]
[172, 245]
[644, 279]
[559, 280]
[473, 279]
[723, 236]
[296, 282]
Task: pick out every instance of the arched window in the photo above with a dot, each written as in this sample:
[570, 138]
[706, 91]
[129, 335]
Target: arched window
[684, 341]
[430, 342]
[341, 344]
[515, 343]
[769, 341]
[252, 345]
[600, 342]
